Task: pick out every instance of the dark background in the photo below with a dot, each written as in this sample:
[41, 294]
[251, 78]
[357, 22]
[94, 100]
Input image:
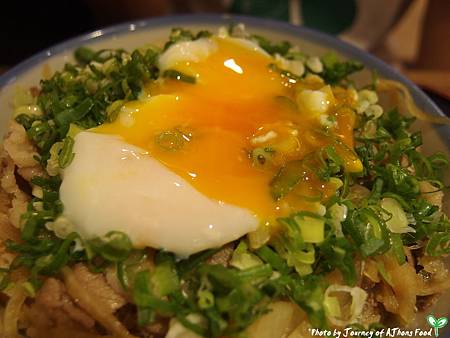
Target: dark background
[27, 27]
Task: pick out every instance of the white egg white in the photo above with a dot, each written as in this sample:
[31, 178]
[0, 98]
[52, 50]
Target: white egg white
[199, 50]
[186, 51]
[112, 185]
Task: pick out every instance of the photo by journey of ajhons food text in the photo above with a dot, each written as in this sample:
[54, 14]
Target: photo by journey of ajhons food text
[220, 185]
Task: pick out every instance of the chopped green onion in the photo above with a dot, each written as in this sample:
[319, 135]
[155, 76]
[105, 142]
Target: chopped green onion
[84, 55]
[262, 156]
[67, 116]
[332, 307]
[176, 75]
[287, 178]
[204, 294]
[397, 248]
[269, 256]
[439, 244]
[190, 265]
[52, 263]
[286, 102]
[115, 246]
[66, 155]
[144, 298]
[337, 252]
[397, 222]
[281, 48]
[113, 110]
[359, 297]
[243, 259]
[29, 289]
[311, 228]
[164, 277]
[171, 140]
[256, 273]
[335, 71]
[145, 316]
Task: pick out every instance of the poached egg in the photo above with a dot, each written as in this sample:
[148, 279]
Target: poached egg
[174, 172]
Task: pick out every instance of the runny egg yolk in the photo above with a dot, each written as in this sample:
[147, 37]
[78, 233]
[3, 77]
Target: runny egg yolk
[237, 102]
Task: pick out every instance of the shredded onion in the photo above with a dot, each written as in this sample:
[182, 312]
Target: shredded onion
[433, 287]
[62, 331]
[282, 319]
[93, 306]
[389, 85]
[370, 270]
[386, 297]
[302, 331]
[438, 279]
[401, 276]
[12, 312]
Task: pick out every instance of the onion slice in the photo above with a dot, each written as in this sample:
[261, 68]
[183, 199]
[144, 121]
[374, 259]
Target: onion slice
[389, 85]
[12, 312]
[93, 306]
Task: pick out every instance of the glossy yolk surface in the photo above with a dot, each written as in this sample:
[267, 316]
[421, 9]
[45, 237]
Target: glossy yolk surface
[236, 96]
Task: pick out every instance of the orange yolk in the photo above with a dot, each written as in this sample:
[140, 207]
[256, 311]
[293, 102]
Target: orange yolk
[236, 98]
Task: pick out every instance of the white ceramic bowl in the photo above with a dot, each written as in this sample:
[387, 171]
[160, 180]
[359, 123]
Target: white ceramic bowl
[155, 31]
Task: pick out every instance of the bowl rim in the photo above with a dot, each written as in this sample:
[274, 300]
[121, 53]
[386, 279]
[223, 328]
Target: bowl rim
[308, 34]
[311, 35]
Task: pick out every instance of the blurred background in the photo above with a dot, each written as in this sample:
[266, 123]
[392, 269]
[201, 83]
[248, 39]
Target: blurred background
[411, 35]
